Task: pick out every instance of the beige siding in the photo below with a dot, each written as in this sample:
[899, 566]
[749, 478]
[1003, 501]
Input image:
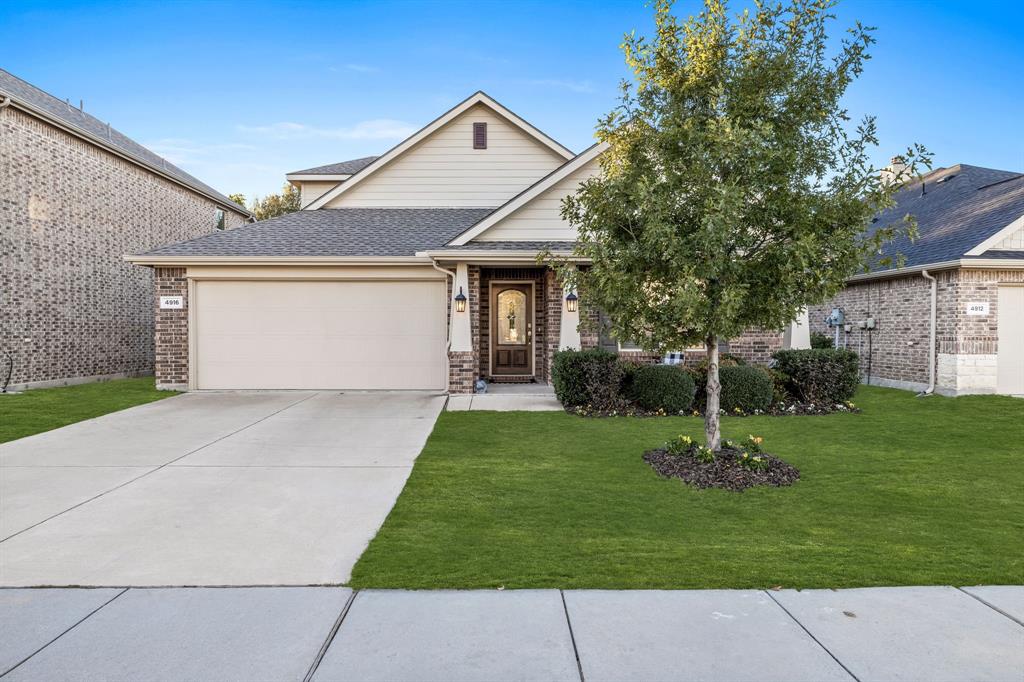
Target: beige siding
[1014, 241]
[445, 170]
[540, 219]
[312, 190]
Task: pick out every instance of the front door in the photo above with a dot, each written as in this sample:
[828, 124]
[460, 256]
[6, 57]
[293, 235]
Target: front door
[512, 329]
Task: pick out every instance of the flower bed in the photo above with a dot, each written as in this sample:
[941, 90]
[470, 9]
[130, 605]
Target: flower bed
[736, 466]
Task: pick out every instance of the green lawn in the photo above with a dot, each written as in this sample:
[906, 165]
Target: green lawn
[43, 409]
[910, 492]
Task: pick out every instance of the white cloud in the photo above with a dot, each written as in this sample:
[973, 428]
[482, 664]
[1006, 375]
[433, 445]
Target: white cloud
[374, 129]
[573, 86]
[180, 151]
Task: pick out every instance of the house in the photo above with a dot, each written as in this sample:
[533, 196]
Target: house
[76, 194]
[950, 318]
[417, 269]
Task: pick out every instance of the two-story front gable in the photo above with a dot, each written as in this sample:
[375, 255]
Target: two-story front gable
[75, 195]
[417, 269]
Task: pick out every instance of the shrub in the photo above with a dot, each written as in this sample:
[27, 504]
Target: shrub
[820, 340]
[745, 387]
[823, 376]
[666, 387]
[588, 377]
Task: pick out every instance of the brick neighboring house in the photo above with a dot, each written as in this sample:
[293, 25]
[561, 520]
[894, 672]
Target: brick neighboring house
[971, 240]
[75, 195]
[414, 270]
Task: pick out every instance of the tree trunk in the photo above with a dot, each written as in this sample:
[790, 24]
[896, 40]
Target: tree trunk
[712, 433]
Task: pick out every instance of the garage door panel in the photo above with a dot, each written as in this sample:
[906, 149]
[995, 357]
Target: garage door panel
[356, 335]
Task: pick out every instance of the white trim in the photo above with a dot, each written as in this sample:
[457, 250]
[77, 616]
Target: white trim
[277, 260]
[478, 97]
[999, 236]
[977, 263]
[529, 194]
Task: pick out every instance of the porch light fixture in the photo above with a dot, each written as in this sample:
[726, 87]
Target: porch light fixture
[572, 302]
[460, 302]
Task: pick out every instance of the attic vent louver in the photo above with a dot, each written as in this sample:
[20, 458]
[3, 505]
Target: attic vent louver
[479, 136]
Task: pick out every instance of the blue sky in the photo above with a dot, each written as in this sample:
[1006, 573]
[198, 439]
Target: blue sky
[239, 93]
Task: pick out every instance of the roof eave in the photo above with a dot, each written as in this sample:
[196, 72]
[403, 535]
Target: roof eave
[100, 142]
[979, 263]
[182, 261]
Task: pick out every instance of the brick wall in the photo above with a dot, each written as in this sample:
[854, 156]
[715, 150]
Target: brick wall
[171, 330]
[553, 304]
[72, 308]
[966, 345]
[755, 346]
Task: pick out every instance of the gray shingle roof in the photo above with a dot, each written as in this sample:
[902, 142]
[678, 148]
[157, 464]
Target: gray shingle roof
[336, 232]
[961, 207]
[350, 167]
[21, 91]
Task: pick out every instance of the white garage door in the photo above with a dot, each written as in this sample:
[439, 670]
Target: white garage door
[320, 335]
[1010, 360]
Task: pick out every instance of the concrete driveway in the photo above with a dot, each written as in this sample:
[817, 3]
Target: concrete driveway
[269, 488]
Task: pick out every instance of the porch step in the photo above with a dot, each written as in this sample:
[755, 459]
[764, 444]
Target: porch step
[512, 380]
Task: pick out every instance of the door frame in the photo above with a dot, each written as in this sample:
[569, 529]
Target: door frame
[492, 327]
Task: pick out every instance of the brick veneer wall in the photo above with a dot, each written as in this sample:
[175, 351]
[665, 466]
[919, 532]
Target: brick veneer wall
[966, 345]
[553, 305]
[72, 308]
[755, 346]
[171, 361]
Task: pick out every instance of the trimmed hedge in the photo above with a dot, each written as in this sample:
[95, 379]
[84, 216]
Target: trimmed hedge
[666, 387]
[745, 387]
[823, 376]
[588, 377]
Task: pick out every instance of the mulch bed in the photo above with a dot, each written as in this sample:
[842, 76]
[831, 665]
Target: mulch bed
[725, 472]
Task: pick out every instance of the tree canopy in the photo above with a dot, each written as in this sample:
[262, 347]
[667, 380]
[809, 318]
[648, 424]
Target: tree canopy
[735, 188]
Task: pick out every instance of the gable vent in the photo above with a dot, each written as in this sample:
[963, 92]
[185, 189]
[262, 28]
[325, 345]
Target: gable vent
[479, 136]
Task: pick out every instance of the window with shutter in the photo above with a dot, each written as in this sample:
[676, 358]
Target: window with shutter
[479, 136]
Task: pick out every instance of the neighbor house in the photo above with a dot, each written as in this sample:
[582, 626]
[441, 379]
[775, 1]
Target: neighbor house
[950, 317]
[417, 269]
[75, 195]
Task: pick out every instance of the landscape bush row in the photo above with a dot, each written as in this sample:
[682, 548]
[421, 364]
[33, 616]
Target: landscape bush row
[598, 381]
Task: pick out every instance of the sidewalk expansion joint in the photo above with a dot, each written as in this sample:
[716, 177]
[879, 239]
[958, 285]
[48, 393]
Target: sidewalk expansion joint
[572, 636]
[811, 635]
[991, 606]
[330, 637]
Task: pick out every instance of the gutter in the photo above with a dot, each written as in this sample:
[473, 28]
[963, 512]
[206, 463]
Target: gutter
[451, 313]
[183, 261]
[931, 337]
[496, 256]
[978, 263]
[100, 142]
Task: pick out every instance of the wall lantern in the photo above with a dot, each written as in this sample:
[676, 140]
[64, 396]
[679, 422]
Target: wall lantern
[572, 302]
[460, 302]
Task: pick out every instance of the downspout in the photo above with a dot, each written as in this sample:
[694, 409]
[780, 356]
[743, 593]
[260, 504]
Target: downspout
[451, 312]
[931, 337]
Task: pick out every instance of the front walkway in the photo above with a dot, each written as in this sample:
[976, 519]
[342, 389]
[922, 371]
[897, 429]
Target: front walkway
[508, 398]
[249, 488]
[325, 633]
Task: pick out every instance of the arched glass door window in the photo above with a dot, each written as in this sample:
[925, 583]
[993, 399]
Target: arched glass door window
[512, 317]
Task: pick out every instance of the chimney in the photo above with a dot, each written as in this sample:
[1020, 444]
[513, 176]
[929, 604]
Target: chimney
[896, 172]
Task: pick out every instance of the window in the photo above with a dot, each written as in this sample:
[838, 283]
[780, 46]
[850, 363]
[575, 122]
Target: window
[479, 136]
[219, 216]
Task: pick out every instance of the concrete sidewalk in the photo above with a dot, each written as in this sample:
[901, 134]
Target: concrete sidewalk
[331, 633]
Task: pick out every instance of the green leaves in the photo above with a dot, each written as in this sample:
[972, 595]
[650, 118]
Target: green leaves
[735, 191]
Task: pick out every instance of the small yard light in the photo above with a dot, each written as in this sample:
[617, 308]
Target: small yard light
[460, 302]
[572, 302]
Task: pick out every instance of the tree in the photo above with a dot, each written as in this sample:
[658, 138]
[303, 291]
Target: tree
[238, 199]
[274, 205]
[734, 190]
